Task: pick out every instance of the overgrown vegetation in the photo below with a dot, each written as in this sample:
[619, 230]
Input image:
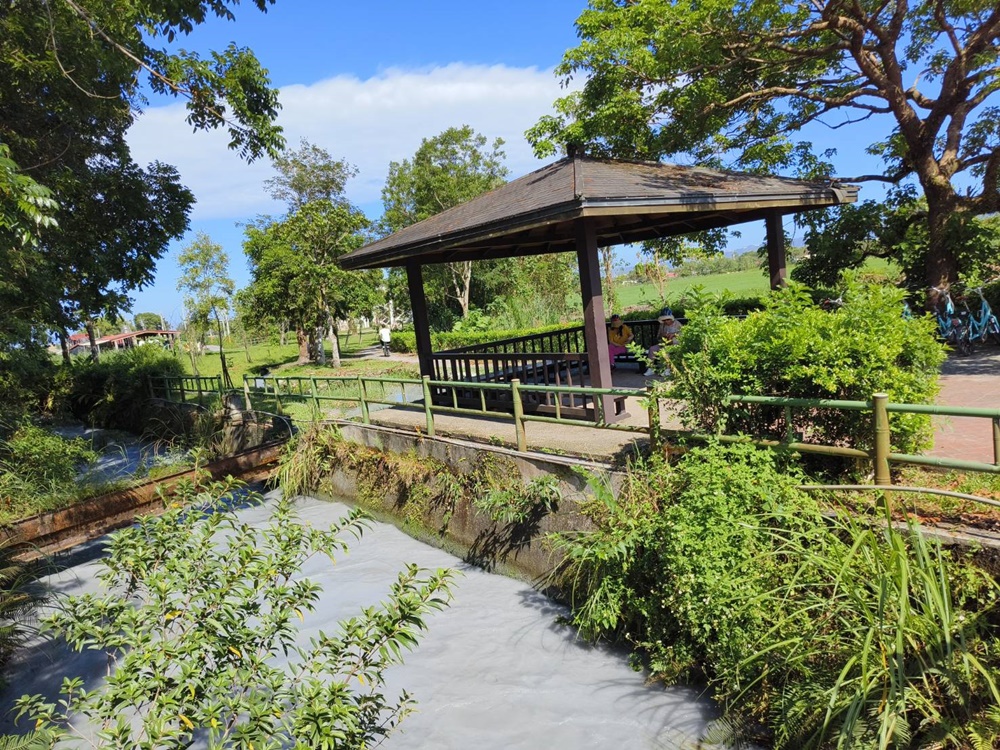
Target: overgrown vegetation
[198, 607]
[795, 348]
[114, 391]
[813, 632]
[425, 492]
[19, 600]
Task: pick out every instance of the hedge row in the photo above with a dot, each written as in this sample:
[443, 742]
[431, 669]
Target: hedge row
[405, 341]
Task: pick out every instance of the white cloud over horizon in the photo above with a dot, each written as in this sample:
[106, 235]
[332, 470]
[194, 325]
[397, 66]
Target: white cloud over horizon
[368, 122]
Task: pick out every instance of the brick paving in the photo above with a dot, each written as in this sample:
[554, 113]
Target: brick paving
[968, 381]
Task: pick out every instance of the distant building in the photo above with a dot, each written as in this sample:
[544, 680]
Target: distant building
[79, 343]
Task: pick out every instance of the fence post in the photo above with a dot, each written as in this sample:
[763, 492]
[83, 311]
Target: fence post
[365, 418]
[653, 411]
[515, 394]
[881, 457]
[246, 394]
[428, 413]
[314, 398]
[996, 440]
[197, 380]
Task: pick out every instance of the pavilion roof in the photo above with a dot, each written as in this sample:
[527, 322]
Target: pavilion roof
[629, 201]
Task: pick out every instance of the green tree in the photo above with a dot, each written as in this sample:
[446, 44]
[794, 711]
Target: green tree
[295, 276]
[149, 321]
[71, 73]
[199, 619]
[715, 81]
[446, 170]
[208, 290]
[309, 174]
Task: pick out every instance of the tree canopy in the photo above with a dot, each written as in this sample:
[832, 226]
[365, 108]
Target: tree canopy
[71, 81]
[446, 170]
[734, 85]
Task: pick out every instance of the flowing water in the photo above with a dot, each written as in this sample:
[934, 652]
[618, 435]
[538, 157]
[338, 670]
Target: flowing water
[495, 671]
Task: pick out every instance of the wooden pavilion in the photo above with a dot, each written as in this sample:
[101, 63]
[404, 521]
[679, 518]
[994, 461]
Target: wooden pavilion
[579, 204]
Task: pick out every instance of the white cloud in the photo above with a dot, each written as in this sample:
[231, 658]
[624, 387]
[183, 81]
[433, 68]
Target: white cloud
[369, 122]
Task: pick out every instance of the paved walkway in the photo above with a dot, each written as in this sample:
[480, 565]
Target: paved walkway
[968, 381]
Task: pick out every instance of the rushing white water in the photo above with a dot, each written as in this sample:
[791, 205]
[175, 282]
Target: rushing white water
[495, 671]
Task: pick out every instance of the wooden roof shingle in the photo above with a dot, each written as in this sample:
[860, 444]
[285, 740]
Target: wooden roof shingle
[627, 201]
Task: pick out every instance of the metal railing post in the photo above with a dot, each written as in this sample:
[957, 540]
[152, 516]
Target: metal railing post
[314, 399]
[653, 411]
[428, 412]
[246, 394]
[881, 454]
[363, 402]
[996, 441]
[515, 394]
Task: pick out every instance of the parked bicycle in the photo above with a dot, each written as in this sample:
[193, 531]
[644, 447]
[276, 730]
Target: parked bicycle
[953, 325]
[983, 324]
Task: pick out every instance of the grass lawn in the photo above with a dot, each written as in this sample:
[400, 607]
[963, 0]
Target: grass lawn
[737, 284]
[280, 360]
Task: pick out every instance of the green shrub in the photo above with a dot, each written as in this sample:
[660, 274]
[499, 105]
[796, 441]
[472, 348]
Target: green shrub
[406, 341]
[796, 349]
[114, 392]
[813, 631]
[39, 456]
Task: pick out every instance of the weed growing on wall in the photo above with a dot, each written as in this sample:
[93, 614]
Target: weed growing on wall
[198, 619]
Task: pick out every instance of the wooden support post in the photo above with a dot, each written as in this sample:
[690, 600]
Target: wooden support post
[515, 394]
[594, 330]
[776, 264]
[421, 327]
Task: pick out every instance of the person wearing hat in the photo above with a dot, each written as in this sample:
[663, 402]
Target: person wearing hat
[619, 337]
[667, 335]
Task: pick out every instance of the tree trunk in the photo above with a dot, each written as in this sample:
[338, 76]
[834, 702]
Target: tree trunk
[461, 276]
[334, 344]
[64, 345]
[320, 349]
[283, 331]
[95, 353]
[608, 261]
[302, 338]
[942, 265]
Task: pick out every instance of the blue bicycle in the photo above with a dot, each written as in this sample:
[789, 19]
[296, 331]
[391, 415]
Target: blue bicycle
[983, 325]
[953, 326]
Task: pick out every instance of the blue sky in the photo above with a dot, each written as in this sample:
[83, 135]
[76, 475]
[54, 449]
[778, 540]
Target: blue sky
[366, 81]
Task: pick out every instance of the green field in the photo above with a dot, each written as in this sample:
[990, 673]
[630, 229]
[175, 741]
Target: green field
[737, 284]
[281, 359]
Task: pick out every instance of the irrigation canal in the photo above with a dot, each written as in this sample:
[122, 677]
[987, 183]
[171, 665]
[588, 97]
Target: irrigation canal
[496, 670]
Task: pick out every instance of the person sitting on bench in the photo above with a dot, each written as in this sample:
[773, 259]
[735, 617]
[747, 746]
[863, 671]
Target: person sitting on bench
[667, 335]
[619, 337]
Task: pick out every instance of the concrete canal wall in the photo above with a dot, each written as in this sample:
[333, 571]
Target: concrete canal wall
[459, 525]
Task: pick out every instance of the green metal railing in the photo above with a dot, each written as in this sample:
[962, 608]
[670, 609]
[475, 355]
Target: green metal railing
[362, 394]
[185, 389]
